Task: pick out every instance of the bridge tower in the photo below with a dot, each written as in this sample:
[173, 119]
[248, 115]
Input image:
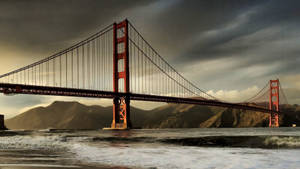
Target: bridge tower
[274, 103]
[121, 105]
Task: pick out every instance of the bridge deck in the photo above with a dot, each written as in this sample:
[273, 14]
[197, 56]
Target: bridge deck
[8, 88]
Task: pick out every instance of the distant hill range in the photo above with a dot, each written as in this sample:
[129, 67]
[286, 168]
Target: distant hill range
[73, 115]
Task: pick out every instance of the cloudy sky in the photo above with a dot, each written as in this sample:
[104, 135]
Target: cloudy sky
[228, 48]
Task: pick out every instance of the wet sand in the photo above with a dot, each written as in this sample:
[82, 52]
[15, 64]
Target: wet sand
[44, 159]
[17, 166]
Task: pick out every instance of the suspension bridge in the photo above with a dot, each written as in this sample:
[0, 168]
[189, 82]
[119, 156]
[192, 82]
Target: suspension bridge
[118, 63]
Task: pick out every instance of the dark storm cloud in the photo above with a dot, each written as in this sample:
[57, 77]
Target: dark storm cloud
[49, 24]
[192, 31]
[261, 15]
[176, 25]
[52, 24]
[259, 35]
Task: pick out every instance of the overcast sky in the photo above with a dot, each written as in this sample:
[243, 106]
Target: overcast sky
[228, 48]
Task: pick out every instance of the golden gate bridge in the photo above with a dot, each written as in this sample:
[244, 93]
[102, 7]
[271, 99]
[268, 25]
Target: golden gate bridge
[118, 63]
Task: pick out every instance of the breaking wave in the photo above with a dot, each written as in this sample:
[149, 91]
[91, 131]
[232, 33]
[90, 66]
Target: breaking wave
[239, 141]
[218, 141]
[60, 141]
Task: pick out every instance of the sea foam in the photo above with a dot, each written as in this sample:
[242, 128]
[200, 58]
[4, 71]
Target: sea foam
[185, 157]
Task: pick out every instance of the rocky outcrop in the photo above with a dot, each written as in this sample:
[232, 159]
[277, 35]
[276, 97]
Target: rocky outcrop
[2, 126]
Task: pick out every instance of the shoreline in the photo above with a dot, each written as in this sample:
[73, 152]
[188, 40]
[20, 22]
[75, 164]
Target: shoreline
[50, 166]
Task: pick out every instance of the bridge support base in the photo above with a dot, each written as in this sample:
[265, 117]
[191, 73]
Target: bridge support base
[121, 114]
[273, 120]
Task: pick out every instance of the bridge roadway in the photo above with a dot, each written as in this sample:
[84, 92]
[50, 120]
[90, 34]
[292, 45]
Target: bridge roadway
[8, 88]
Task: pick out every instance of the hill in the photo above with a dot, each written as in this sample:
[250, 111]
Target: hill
[65, 115]
[73, 115]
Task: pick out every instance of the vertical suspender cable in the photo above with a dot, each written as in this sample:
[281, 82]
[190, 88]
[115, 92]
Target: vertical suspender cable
[97, 61]
[83, 69]
[40, 74]
[72, 73]
[32, 81]
[54, 83]
[66, 69]
[135, 66]
[77, 53]
[88, 65]
[48, 73]
[60, 71]
[104, 61]
[93, 64]
[139, 69]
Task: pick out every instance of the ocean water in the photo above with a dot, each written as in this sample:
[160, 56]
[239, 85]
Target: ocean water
[229, 148]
